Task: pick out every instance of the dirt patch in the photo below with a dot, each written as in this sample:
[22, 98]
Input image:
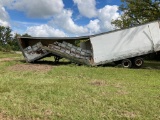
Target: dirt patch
[98, 83]
[3, 116]
[118, 85]
[122, 92]
[130, 115]
[6, 59]
[30, 67]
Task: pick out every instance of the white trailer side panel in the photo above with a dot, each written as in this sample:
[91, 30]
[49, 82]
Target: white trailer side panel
[155, 33]
[125, 43]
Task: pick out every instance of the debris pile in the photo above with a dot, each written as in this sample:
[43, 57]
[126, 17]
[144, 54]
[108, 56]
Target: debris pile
[70, 49]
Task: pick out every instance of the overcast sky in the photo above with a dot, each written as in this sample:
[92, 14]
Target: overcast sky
[50, 18]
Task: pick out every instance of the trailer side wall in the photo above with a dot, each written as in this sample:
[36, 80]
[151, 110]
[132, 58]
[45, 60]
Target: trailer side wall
[155, 34]
[126, 43]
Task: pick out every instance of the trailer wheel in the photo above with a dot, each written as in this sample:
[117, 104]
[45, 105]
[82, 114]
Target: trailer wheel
[126, 63]
[138, 62]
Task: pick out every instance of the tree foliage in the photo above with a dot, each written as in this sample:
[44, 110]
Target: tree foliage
[5, 35]
[26, 35]
[8, 41]
[14, 42]
[136, 12]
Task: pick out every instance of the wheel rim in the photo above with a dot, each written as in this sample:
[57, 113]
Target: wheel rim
[138, 62]
[126, 64]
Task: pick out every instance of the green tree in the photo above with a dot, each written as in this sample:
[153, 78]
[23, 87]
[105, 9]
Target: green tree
[14, 42]
[5, 35]
[5, 38]
[136, 12]
[26, 35]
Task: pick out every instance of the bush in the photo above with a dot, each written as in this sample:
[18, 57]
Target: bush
[8, 48]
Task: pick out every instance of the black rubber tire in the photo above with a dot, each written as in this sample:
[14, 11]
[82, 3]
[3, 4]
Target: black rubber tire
[138, 62]
[126, 63]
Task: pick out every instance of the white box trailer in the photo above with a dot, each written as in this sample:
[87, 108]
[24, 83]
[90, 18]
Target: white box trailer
[125, 46]
[127, 43]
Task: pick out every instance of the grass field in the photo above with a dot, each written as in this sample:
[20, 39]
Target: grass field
[69, 92]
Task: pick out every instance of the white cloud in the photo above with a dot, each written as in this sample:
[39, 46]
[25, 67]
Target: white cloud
[94, 26]
[87, 7]
[20, 27]
[44, 31]
[106, 15]
[4, 17]
[103, 16]
[108, 12]
[64, 20]
[38, 8]
[5, 2]
[4, 23]
[101, 23]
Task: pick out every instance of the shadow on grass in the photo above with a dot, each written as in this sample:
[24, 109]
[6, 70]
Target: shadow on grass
[147, 64]
[53, 63]
[45, 62]
[151, 65]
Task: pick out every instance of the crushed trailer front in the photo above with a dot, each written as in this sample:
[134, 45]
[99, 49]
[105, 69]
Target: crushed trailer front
[124, 45]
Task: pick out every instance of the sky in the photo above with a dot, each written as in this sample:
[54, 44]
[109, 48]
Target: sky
[59, 18]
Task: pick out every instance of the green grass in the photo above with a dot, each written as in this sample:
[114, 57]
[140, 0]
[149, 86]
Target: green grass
[79, 92]
[8, 54]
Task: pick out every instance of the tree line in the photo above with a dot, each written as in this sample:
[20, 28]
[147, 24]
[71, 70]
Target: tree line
[9, 41]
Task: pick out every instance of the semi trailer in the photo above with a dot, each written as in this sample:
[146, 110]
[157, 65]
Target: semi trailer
[123, 46]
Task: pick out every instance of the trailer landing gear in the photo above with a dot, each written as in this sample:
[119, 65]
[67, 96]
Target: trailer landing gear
[56, 59]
